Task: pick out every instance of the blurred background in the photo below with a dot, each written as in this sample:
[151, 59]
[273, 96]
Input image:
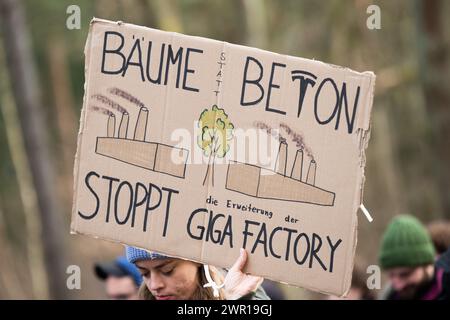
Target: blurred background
[41, 93]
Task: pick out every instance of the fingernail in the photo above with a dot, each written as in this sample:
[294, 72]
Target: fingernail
[242, 251]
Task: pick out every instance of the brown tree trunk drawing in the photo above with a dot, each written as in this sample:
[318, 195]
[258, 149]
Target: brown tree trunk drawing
[209, 175]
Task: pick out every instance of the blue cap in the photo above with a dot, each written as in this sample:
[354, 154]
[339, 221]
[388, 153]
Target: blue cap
[135, 254]
[123, 263]
[120, 267]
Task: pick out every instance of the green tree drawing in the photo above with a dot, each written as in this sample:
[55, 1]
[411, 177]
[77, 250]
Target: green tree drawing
[215, 137]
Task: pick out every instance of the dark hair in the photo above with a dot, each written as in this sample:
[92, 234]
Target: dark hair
[359, 282]
[440, 235]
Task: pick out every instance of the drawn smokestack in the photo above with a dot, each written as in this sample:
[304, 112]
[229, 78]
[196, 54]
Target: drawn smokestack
[123, 127]
[280, 165]
[111, 128]
[141, 125]
[311, 178]
[297, 166]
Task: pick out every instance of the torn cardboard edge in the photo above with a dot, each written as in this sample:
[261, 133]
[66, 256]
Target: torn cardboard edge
[83, 116]
[362, 128]
[363, 139]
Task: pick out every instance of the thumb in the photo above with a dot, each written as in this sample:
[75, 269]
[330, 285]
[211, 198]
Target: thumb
[240, 262]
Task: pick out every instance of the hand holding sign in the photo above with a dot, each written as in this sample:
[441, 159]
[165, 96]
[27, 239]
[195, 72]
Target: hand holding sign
[138, 180]
[237, 283]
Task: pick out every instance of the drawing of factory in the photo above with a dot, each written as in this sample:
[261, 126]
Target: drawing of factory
[252, 181]
[138, 152]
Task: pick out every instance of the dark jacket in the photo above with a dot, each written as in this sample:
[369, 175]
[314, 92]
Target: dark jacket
[439, 287]
[443, 264]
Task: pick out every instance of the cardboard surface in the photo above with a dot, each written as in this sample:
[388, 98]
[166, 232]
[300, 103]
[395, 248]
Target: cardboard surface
[167, 157]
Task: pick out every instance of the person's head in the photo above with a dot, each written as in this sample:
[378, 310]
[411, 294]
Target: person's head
[407, 254]
[440, 235]
[166, 278]
[122, 278]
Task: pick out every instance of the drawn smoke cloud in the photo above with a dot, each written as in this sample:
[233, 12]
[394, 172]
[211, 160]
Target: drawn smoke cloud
[136, 151]
[269, 184]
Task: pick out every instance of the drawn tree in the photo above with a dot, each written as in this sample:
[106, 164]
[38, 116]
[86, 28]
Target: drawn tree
[215, 137]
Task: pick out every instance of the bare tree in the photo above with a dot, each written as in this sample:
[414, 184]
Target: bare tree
[25, 90]
[435, 63]
[65, 115]
[256, 20]
[33, 229]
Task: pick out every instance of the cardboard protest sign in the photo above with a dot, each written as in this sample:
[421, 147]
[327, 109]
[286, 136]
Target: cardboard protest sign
[195, 148]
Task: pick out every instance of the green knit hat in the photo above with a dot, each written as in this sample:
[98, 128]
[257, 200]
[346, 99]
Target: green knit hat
[406, 243]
